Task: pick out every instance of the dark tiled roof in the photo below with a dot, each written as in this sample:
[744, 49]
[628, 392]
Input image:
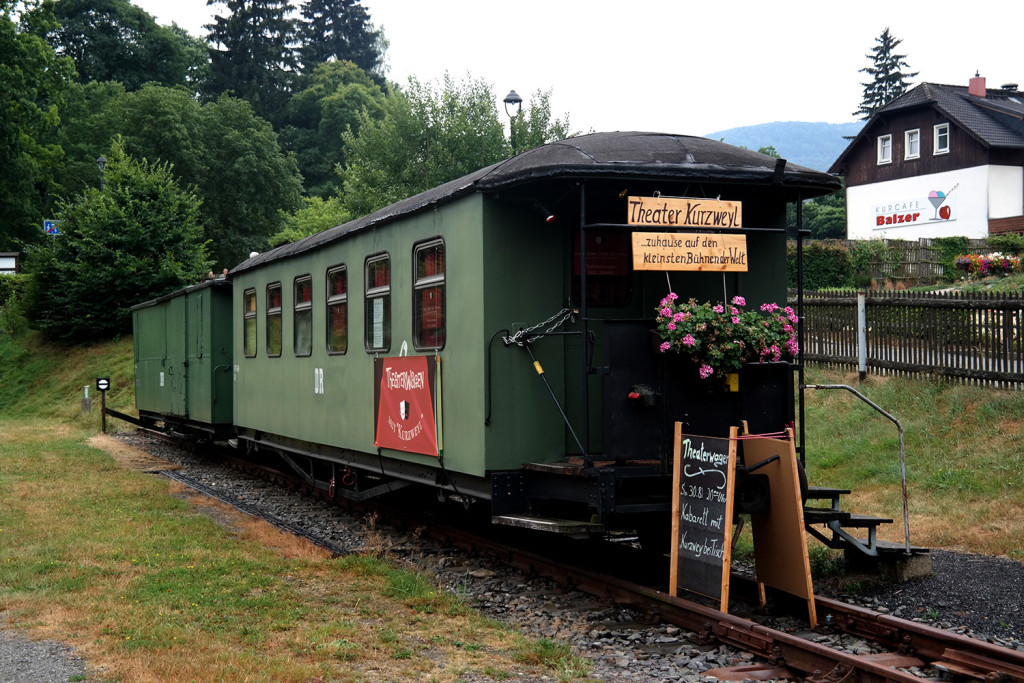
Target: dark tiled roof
[599, 155]
[995, 121]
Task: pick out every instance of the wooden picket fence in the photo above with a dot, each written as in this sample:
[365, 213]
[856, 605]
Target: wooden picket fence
[973, 338]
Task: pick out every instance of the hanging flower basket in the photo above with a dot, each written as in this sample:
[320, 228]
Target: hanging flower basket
[720, 339]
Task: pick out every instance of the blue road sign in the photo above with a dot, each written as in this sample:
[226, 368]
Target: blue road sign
[50, 226]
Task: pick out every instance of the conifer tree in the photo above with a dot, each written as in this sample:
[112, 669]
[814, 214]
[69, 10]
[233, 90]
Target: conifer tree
[339, 30]
[251, 54]
[887, 78]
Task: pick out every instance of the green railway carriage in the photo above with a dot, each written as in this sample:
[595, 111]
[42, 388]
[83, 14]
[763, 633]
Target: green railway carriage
[492, 337]
[183, 352]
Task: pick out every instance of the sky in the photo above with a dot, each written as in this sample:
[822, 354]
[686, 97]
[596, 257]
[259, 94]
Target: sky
[678, 66]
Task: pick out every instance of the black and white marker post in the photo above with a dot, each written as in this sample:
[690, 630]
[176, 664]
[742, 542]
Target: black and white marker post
[102, 384]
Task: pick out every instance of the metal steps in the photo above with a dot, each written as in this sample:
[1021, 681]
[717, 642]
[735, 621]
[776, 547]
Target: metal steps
[839, 523]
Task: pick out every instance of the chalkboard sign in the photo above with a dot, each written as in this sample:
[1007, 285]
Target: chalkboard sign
[702, 479]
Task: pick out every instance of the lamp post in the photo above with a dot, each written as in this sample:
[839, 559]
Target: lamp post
[101, 163]
[513, 107]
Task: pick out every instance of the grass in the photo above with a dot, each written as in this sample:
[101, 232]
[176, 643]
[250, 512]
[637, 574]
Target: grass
[108, 560]
[964, 458]
[127, 568]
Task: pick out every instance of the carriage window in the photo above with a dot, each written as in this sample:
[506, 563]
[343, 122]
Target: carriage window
[249, 322]
[428, 306]
[337, 310]
[303, 301]
[378, 303]
[274, 319]
[609, 268]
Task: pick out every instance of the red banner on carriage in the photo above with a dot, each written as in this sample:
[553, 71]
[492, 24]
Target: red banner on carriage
[404, 395]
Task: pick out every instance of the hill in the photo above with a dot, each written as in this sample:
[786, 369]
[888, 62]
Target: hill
[814, 145]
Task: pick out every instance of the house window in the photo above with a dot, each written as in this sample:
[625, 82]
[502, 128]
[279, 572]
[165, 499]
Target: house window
[249, 322]
[303, 303]
[428, 306]
[274, 319]
[337, 310]
[941, 139]
[912, 144]
[885, 149]
[378, 303]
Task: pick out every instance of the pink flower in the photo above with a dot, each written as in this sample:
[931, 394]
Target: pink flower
[680, 316]
[769, 308]
[672, 326]
[735, 320]
[739, 300]
[706, 371]
[719, 309]
[666, 312]
[689, 340]
[665, 346]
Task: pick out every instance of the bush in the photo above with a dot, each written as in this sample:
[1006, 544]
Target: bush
[1008, 243]
[947, 249]
[12, 284]
[826, 264]
[12, 307]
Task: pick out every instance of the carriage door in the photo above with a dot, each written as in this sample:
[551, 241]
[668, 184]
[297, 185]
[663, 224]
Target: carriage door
[176, 362]
[197, 377]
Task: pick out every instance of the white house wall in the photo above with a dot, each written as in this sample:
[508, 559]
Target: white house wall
[904, 203]
[1006, 191]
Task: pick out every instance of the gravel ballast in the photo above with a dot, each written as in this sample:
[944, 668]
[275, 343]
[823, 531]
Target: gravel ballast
[975, 595]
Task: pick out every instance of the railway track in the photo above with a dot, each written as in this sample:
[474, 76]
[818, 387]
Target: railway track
[912, 650]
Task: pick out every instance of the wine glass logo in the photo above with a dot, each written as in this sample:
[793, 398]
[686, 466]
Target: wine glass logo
[936, 197]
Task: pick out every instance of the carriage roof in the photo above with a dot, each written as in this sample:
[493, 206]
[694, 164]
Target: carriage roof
[653, 156]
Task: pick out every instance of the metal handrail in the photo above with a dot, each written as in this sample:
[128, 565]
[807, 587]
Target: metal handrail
[903, 461]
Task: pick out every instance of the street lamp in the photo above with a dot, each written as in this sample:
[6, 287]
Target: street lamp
[513, 107]
[101, 162]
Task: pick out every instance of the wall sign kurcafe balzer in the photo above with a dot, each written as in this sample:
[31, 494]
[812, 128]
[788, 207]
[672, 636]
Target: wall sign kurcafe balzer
[687, 251]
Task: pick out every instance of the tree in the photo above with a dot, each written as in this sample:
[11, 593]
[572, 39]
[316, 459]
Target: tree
[339, 30]
[251, 54]
[88, 123]
[425, 138]
[246, 180]
[337, 92]
[887, 78]
[197, 60]
[315, 216]
[33, 80]
[136, 239]
[825, 216]
[231, 157]
[113, 40]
